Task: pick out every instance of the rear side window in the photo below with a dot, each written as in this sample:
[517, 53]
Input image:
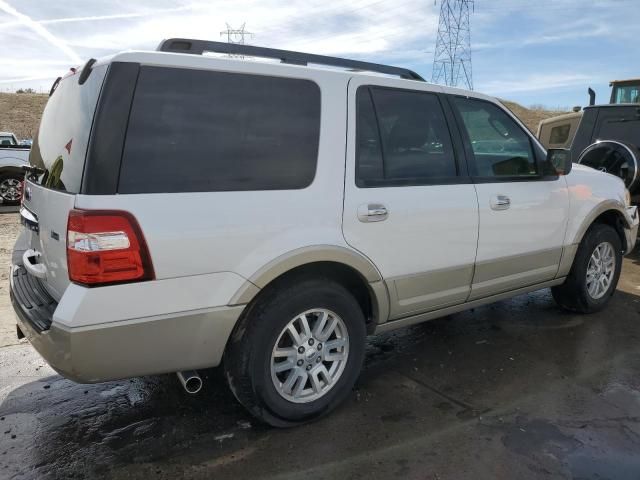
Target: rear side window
[499, 146]
[402, 139]
[60, 147]
[200, 131]
[559, 134]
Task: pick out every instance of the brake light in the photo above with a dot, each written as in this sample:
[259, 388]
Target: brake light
[106, 247]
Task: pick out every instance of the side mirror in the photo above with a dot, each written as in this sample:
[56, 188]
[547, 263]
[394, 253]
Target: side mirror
[560, 158]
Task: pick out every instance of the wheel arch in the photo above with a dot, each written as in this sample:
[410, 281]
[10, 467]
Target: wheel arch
[610, 213]
[11, 169]
[347, 267]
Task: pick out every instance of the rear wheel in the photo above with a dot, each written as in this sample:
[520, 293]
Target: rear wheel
[595, 272]
[297, 353]
[11, 188]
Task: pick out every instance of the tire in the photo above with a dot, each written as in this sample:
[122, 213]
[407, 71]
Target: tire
[575, 294]
[250, 363]
[11, 188]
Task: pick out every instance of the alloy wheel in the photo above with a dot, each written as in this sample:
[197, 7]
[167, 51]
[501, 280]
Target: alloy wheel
[310, 355]
[600, 270]
[10, 190]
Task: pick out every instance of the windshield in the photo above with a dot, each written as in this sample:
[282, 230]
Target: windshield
[626, 94]
[61, 144]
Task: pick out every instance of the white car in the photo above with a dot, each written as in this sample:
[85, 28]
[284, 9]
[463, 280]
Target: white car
[13, 157]
[194, 210]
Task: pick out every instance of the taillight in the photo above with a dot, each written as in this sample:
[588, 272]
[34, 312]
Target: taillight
[105, 247]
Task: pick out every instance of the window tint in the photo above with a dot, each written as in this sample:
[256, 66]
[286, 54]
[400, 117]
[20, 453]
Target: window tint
[409, 144]
[559, 134]
[193, 130]
[500, 147]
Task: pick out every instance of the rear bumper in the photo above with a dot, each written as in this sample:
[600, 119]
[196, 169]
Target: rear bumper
[631, 233]
[133, 348]
[113, 350]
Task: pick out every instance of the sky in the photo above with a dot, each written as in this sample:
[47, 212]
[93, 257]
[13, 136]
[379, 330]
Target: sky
[535, 52]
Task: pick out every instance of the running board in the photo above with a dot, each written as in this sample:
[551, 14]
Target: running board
[443, 312]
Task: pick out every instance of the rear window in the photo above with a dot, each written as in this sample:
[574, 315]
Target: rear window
[60, 146]
[199, 131]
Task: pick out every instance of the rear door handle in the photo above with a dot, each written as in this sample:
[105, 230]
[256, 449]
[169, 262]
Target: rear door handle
[500, 202]
[372, 212]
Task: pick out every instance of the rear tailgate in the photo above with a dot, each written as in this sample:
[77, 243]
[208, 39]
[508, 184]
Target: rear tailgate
[47, 235]
[59, 150]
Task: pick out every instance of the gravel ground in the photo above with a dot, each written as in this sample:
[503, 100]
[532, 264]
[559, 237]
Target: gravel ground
[9, 228]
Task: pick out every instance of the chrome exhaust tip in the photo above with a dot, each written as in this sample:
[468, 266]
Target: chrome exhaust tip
[190, 380]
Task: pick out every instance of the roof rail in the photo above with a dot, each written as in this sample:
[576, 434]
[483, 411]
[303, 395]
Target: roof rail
[198, 47]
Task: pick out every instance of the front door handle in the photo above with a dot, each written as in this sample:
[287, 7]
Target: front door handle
[372, 212]
[500, 202]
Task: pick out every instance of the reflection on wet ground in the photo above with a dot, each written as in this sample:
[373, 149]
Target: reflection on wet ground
[517, 389]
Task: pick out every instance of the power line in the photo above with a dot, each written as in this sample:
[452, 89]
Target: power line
[452, 58]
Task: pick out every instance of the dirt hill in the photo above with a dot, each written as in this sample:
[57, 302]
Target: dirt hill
[20, 113]
[531, 117]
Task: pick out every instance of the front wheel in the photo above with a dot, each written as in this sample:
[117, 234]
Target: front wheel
[595, 272]
[298, 352]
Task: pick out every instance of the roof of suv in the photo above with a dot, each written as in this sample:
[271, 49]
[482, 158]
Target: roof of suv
[302, 65]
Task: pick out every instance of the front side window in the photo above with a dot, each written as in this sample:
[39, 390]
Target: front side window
[402, 138]
[203, 131]
[500, 147]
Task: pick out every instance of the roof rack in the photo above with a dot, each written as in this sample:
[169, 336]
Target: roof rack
[198, 47]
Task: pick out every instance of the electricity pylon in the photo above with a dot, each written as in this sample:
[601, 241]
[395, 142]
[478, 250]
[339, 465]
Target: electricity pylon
[452, 58]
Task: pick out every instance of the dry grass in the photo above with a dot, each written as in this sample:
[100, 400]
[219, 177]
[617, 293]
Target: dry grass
[20, 113]
[531, 117]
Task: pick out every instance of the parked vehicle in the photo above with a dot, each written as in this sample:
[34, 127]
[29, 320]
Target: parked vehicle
[8, 139]
[608, 139]
[196, 210]
[13, 157]
[558, 132]
[605, 137]
[625, 91]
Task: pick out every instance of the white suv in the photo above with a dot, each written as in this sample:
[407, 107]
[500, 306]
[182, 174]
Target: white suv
[184, 211]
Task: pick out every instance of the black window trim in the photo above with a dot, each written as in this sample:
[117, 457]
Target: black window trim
[462, 176]
[471, 157]
[103, 161]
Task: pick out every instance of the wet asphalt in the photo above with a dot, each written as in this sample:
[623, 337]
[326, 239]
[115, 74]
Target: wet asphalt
[514, 390]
